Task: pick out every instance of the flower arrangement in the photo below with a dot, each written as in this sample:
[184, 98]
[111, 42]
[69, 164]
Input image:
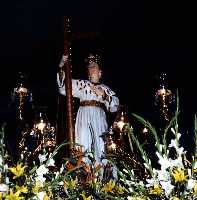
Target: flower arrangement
[173, 178]
[42, 179]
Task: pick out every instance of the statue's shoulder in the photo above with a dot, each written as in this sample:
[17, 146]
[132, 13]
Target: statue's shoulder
[107, 89]
[82, 83]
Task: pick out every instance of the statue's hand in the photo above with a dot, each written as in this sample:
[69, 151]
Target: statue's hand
[61, 74]
[98, 90]
[64, 59]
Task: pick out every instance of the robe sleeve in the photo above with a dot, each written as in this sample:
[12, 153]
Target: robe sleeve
[77, 86]
[111, 101]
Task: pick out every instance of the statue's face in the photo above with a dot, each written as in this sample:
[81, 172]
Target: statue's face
[94, 73]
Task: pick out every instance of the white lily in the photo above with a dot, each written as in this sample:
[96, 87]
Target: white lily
[42, 158]
[40, 180]
[51, 162]
[42, 170]
[163, 161]
[167, 186]
[190, 184]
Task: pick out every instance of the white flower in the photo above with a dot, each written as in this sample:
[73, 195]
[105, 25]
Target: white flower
[134, 198]
[167, 186]
[61, 183]
[190, 184]
[7, 180]
[35, 197]
[189, 171]
[150, 182]
[40, 179]
[177, 162]
[42, 170]
[195, 165]
[128, 182]
[121, 179]
[56, 174]
[130, 189]
[163, 161]
[180, 151]
[173, 143]
[3, 187]
[41, 195]
[5, 167]
[178, 136]
[61, 169]
[51, 162]
[163, 175]
[161, 147]
[22, 156]
[42, 158]
[141, 183]
[146, 166]
[1, 161]
[172, 129]
[124, 170]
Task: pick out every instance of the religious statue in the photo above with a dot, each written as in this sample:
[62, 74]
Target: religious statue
[95, 100]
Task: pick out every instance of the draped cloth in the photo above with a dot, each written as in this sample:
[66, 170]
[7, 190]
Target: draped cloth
[90, 117]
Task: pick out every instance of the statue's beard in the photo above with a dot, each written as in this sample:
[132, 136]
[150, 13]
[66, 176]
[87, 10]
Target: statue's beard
[94, 79]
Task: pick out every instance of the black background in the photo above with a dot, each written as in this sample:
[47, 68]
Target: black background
[136, 39]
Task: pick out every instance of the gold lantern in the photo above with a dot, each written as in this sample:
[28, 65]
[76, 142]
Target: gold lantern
[164, 99]
[121, 120]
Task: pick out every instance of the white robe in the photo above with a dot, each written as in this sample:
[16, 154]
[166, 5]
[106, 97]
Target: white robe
[90, 115]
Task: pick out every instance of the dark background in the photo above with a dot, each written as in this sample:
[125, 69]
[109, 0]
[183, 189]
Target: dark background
[137, 40]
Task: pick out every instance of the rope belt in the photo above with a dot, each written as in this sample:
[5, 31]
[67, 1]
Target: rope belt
[92, 103]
